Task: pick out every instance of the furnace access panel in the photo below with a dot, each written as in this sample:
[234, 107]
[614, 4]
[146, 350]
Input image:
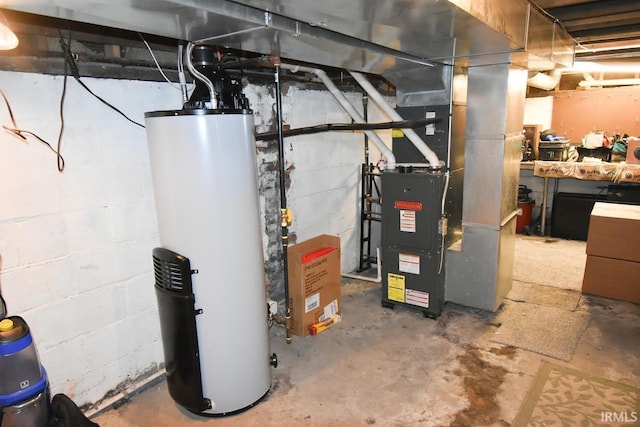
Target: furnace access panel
[411, 241]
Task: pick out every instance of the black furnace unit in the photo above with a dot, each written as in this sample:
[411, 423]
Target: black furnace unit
[412, 261]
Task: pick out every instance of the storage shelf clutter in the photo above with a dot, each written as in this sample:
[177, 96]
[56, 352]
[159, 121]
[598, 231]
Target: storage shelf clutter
[595, 147]
[554, 150]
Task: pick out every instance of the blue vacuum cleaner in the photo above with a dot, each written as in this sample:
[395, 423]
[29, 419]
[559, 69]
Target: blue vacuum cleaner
[24, 390]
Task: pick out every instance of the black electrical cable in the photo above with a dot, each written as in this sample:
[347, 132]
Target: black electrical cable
[329, 127]
[76, 75]
[13, 120]
[62, 97]
[20, 133]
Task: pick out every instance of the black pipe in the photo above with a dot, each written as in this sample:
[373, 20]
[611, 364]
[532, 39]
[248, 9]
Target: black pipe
[365, 110]
[369, 180]
[284, 221]
[363, 187]
[401, 124]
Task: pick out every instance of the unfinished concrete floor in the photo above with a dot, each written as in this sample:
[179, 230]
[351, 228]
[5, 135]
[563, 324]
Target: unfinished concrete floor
[397, 368]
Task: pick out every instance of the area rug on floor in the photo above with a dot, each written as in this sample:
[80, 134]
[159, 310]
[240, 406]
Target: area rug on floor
[562, 396]
[550, 261]
[546, 330]
[565, 299]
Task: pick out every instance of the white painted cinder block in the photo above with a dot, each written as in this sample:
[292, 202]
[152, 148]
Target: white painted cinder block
[325, 176]
[96, 267]
[43, 283]
[41, 238]
[76, 246]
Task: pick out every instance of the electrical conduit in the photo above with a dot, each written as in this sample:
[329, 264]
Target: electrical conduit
[373, 93]
[349, 108]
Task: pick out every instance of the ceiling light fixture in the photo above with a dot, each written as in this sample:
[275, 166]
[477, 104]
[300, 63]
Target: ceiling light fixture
[8, 39]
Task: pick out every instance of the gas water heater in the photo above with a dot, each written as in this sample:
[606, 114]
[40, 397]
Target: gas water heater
[209, 270]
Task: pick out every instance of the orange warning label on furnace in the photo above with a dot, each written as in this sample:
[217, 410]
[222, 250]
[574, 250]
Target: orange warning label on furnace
[412, 206]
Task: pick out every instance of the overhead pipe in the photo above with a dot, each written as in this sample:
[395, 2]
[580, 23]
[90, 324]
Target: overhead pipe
[611, 82]
[545, 81]
[373, 93]
[349, 108]
[329, 127]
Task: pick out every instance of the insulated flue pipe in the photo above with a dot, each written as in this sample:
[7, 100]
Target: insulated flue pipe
[198, 75]
[349, 108]
[373, 93]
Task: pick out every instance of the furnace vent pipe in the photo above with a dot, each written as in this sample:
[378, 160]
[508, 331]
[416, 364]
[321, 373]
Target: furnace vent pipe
[373, 93]
[349, 108]
[198, 75]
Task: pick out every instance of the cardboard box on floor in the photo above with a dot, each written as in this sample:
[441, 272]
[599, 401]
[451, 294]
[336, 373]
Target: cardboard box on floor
[612, 278]
[613, 261]
[314, 281]
[614, 231]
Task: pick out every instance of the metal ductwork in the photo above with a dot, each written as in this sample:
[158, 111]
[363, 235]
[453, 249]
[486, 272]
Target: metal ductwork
[480, 266]
[393, 38]
[462, 62]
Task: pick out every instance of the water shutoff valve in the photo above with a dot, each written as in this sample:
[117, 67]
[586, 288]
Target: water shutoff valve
[286, 217]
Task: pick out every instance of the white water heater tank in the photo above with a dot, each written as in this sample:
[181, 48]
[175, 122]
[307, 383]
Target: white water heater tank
[204, 172]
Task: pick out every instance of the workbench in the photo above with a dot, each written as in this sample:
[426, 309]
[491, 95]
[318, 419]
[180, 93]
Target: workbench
[611, 172]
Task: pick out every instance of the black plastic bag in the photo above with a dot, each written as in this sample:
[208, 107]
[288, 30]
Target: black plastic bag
[65, 413]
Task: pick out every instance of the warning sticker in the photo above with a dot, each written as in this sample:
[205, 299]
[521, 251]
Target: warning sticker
[431, 127]
[395, 287]
[404, 204]
[329, 311]
[418, 298]
[312, 302]
[408, 263]
[408, 221]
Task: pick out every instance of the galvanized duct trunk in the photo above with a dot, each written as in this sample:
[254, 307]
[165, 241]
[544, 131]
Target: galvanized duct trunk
[393, 38]
[480, 267]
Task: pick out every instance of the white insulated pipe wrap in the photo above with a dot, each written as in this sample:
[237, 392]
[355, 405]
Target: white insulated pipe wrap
[349, 108]
[373, 93]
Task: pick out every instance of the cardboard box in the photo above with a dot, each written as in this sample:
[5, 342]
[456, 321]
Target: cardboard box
[612, 278]
[614, 230]
[314, 282]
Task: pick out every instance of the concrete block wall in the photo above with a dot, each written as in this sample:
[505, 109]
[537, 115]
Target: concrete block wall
[323, 174]
[75, 246]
